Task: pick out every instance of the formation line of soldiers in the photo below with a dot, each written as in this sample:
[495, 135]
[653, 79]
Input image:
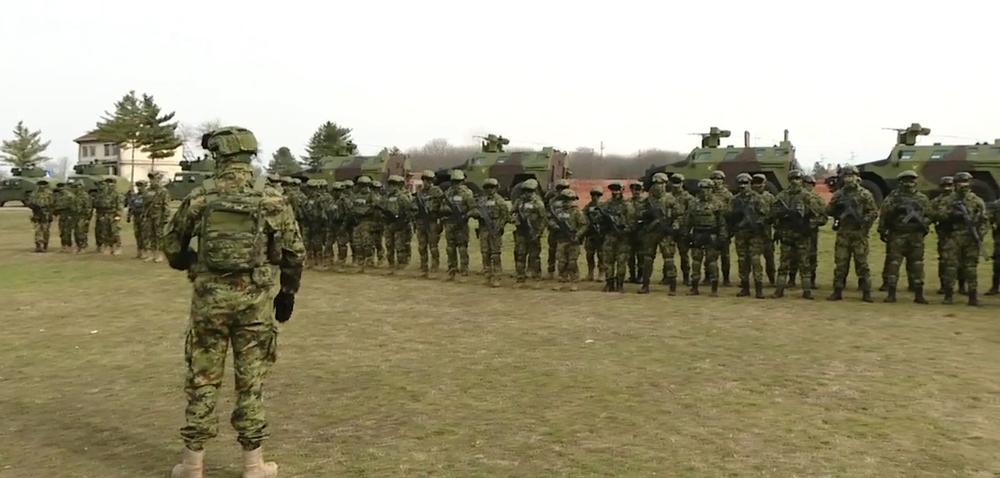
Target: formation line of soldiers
[73, 209]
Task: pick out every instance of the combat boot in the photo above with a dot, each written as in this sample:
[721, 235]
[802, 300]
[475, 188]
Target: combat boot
[694, 288]
[758, 291]
[159, 257]
[254, 465]
[495, 282]
[770, 277]
[961, 287]
[791, 280]
[117, 251]
[572, 287]
[779, 291]
[918, 295]
[590, 275]
[744, 290]
[890, 297]
[664, 280]
[838, 294]
[866, 295]
[715, 289]
[38, 246]
[725, 279]
[644, 289]
[687, 277]
[620, 285]
[550, 275]
[451, 276]
[812, 281]
[995, 284]
[672, 286]
[609, 285]
[883, 288]
[949, 297]
[191, 466]
[807, 294]
[973, 299]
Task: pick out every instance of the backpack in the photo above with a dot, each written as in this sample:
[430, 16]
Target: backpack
[231, 237]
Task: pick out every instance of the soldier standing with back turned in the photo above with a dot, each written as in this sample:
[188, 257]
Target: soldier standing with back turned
[134, 216]
[41, 204]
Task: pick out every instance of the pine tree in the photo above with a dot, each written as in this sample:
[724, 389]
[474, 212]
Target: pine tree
[283, 163]
[137, 123]
[25, 149]
[329, 140]
[124, 124]
[157, 135]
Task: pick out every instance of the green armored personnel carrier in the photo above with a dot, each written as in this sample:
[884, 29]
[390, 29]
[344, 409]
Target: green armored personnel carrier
[192, 174]
[92, 173]
[773, 161]
[346, 164]
[931, 162]
[510, 168]
[22, 183]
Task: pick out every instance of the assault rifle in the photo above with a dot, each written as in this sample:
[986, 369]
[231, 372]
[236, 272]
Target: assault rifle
[795, 220]
[612, 220]
[561, 223]
[746, 216]
[524, 223]
[970, 225]
[484, 218]
[913, 214]
[422, 210]
[660, 221]
[456, 214]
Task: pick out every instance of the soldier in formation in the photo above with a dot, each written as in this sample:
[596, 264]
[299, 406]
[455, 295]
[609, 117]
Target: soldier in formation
[62, 207]
[345, 229]
[458, 202]
[794, 213]
[618, 217]
[568, 225]
[594, 237]
[635, 244]
[675, 186]
[492, 212]
[155, 203]
[107, 231]
[398, 208]
[904, 220]
[83, 210]
[966, 215]
[42, 208]
[659, 216]
[364, 213]
[706, 224]
[427, 223]
[377, 237]
[134, 216]
[530, 220]
[551, 197]
[758, 183]
[722, 196]
[748, 211]
[854, 211]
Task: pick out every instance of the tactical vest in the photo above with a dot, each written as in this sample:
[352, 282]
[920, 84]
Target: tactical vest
[231, 236]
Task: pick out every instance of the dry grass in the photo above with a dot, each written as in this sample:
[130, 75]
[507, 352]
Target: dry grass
[398, 376]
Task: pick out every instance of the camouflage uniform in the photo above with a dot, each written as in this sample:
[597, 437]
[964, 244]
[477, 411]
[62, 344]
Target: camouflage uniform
[966, 212]
[377, 235]
[346, 228]
[567, 224]
[529, 225]
[993, 210]
[759, 185]
[231, 307]
[62, 200]
[399, 207]
[809, 184]
[659, 215]
[365, 216]
[83, 210]
[943, 229]
[594, 238]
[458, 203]
[108, 204]
[552, 196]
[41, 203]
[618, 220]
[428, 203]
[335, 217]
[723, 196]
[635, 241]
[676, 187]
[155, 214]
[134, 216]
[854, 211]
[314, 213]
[903, 223]
[492, 212]
[748, 212]
[794, 213]
[707, 230]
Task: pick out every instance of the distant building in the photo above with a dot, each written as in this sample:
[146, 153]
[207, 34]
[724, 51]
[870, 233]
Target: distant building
[91, 149]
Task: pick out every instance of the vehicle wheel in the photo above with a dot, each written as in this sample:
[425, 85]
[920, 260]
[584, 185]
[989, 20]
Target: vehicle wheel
[874, 189]
[983, 190]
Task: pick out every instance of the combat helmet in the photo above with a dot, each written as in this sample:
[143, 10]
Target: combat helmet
[230, 141]
[567, 194]
[347, 183]
[615, 186]
[848, 169]
[427, 174]
[759, 178]
[529, 184]
[596, 191]
[705, 184]
[562, 184]
[809, 179]
[490, 183]
[795, 174]
[743, 178]
[635, 186]
[660, 178]
[395, 179]
[717, 174]
[377, 184]
[946, 181]
[963, 177]
[907, 175]
[457, 175]
[364, 180]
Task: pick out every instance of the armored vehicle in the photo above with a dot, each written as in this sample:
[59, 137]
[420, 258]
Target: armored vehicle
[92, 173]
[346, 164]
[773, 161]
[931, 162]
[510, 168]
[192, 174]
[20, 184]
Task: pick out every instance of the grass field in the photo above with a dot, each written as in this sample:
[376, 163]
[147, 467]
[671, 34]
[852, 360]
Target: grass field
[400, 376]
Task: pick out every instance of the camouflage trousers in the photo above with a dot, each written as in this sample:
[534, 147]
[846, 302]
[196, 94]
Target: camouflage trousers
[361, 244]
[456, 238]
[42, 230]
[684, 251]
[344, 234]
[849, 244]
[377, 241]
[668, 249]
[909, 246]
[616, 255]
[567, 254]
[706, 257]
[314, 241]
[226, 311]
[769, 263]
[82, 231]
[813, 253]
[140, 240]
[961, 257]
[66, 226]
[107, 231]
[649, 244]
[749, 250]
[527, 256]
[724, 263]
[330, 242]
[428, 244]
[594, 253]
[552, 257]
[794, 255]
[634, 262]
[491, 248]
[153, 226]
[397, 244]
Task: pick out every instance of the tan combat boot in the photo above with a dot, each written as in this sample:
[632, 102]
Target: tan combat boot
[254, 465]
[191, 465]
[117, 251]
[159, 257]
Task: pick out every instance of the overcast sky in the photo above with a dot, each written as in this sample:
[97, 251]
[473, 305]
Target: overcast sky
[636, 75]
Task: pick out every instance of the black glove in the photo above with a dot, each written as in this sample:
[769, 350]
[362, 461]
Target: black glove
[883, 236]
[284, 303]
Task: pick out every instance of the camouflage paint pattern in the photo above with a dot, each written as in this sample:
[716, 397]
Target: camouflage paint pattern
[511, 168]
[192, 174]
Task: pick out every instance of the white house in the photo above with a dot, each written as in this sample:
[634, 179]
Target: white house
[133, 165]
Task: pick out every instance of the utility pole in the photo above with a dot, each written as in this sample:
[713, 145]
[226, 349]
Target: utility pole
[602, 149]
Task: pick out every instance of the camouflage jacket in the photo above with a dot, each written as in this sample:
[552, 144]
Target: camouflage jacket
[107, 199]
[62, 202]
[529, 215]
[905, 212]
[567, 222]
[155, 203]
[795, 213]
[361, 206]
[83, 205]
[41, 203]
[594, 218]
[457, 203]
[135, 205]
[965, 212]
[399, 207]
[747, 212]
[285, 247]
[853, 208]
[427, 203]
[707, 215]
[619, 216]
[492, 211]
[660, 213]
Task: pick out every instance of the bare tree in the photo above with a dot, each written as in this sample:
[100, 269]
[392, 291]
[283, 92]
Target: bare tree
[191, 135]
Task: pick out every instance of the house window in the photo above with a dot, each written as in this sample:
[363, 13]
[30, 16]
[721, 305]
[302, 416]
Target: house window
[107, 150]
[83, 151]
[93, 151]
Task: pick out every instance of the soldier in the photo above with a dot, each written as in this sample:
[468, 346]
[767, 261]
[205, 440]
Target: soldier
[334, 222]
[293, 193]
[428, 204]
[529, 225]
[993, 210]
[635, 245]
[854, 211]
[618, 218]
[378, 227]
[457, 204]
[154, 210]
[758, 182]
[966, 213]
[134, 216]
[83, 209]
[550, 197]
[346, 229]
[592, 241]
[364, 214]
[903, 223]
[41, 204]
[108, 204]
[943, 229]
[315, 213]
[245, 274]
[706, 224]
[492, 212]
[747, 213]
[62, 201]
[723, 195]
[659, 215]
[676, 187]
[567, 224]
[809, 184]
[398, 207]
[794, 213]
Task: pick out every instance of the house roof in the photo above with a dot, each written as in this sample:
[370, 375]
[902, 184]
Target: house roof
[87, 138]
